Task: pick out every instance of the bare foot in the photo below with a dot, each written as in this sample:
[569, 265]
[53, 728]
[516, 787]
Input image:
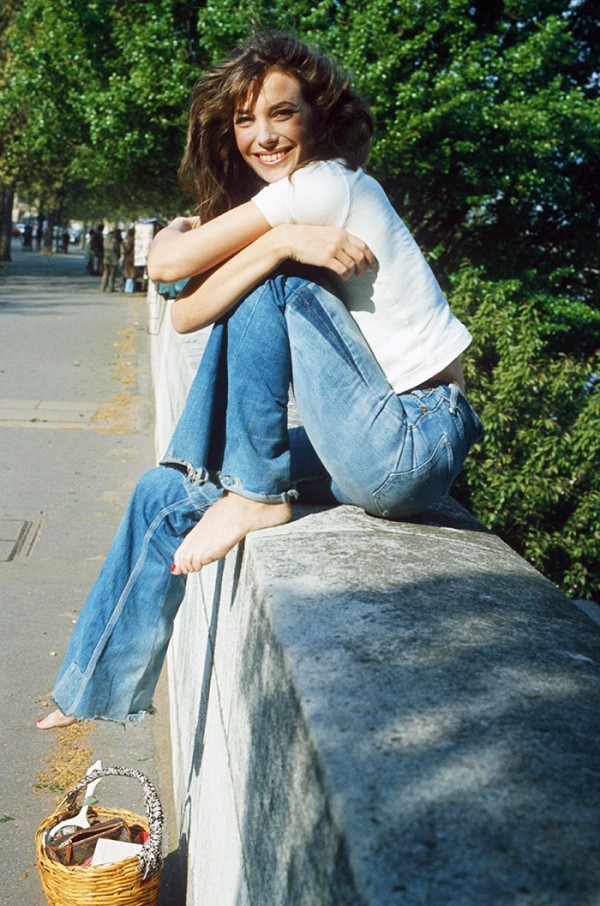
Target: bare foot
[55, 720]
[223, 526]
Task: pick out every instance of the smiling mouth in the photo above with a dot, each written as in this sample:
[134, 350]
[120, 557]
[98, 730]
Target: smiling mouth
[273, 158]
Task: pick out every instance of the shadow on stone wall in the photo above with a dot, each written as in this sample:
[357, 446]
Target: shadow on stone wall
[422, 742]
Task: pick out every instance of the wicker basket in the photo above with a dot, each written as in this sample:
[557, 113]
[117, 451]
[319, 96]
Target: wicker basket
[131, 882]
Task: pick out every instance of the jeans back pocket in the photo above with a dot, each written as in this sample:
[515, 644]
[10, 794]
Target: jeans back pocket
[406, 493]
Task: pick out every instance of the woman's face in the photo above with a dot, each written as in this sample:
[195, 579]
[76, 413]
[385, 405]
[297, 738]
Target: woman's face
[275, 135]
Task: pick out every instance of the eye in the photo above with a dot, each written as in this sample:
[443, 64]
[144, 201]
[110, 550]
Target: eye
[242, 119]
[284, 113]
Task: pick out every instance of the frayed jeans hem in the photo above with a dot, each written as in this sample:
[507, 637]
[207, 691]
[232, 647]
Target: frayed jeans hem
[130, 720]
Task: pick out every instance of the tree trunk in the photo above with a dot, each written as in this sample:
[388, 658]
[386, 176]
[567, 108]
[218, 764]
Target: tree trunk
[7, 195]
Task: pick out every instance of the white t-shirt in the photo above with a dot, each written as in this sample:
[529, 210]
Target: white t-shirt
[400, 308]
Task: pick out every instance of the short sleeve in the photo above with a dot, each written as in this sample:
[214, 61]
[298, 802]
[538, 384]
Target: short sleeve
[316, 194]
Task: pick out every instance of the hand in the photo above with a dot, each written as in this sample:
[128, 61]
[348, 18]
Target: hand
[328, 246]
[183, 224]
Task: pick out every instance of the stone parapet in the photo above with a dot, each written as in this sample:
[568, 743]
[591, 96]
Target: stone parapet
[368, 712]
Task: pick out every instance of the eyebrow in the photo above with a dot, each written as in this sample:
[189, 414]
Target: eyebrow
[249, 110]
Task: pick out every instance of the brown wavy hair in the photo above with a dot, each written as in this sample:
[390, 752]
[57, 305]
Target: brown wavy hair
[212, 169]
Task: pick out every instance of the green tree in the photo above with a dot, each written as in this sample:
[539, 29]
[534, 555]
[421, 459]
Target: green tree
[93, 118]
[8, 12]
[137, 108]
[488, 128]
[42, 115]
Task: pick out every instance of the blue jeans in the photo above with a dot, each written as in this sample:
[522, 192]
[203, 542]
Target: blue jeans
[360, 444]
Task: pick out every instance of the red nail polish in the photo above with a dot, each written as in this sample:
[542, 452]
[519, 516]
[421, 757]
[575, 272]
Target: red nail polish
[173, 568]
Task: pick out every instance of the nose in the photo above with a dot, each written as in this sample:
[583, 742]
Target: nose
[265, 134]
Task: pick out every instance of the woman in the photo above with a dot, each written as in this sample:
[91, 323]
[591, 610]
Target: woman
[310, 278]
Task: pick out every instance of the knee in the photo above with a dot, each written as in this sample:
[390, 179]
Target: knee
[153, 478]
[156, 489]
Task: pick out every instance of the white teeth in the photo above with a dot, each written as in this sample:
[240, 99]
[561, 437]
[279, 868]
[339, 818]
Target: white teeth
[272, 158]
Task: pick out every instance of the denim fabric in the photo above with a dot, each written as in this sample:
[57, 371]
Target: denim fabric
[374, 449]
[360, 444]
[233, 429]
[118, 646]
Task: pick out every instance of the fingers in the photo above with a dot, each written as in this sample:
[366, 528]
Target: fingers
[331, 247]
[179, 224]
[183, 224]
[350, 256]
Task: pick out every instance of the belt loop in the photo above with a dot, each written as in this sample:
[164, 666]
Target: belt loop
[453, 398]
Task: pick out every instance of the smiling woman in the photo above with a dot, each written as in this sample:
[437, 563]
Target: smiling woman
[309, 277]
[273, 131]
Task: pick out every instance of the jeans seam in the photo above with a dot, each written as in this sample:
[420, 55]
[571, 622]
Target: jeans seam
[350, 360]
[189, 490]
[264, 288]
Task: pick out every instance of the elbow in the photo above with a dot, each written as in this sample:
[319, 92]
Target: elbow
[181, 320]
[158, 270]
[178, 320]
[161, 265]
[154, 273]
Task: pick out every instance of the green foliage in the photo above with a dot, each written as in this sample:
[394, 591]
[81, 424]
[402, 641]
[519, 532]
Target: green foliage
[488, 138]
[137, 112]
[42, 113]
[94, 110]
[487, 141]
[534, 477]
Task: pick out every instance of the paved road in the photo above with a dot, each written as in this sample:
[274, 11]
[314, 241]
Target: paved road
[75, 433]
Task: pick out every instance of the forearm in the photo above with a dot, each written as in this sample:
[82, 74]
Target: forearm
[180, 251]
[207, 298]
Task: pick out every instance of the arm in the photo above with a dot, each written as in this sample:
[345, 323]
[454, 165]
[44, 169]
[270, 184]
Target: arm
[183, 249]
[207, 298]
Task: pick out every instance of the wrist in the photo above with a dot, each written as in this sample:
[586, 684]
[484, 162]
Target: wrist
[280, 243]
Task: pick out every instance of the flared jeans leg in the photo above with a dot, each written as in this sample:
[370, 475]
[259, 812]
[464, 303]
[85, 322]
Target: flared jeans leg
[117, 648]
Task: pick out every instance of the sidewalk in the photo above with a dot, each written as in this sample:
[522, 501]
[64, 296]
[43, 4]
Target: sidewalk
[76, 422]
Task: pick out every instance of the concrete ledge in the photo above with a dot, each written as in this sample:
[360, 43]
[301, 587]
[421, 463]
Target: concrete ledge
[366, 712]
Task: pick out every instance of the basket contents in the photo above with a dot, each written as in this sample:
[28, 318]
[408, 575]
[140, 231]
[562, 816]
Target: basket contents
[109, 851]
[77, 847]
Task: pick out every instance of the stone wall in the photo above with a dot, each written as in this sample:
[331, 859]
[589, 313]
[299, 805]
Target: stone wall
[367, 712]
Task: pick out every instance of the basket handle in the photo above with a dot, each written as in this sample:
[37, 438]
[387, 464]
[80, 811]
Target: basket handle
[150, 855]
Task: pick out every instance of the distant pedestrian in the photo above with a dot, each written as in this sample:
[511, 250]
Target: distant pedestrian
[112, 253]
[96, 250]
[66, 238]
[28, 237]
[47, 240]
[39, 233]
[129, 269]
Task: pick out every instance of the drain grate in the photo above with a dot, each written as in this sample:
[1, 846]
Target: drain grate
[17, 536]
